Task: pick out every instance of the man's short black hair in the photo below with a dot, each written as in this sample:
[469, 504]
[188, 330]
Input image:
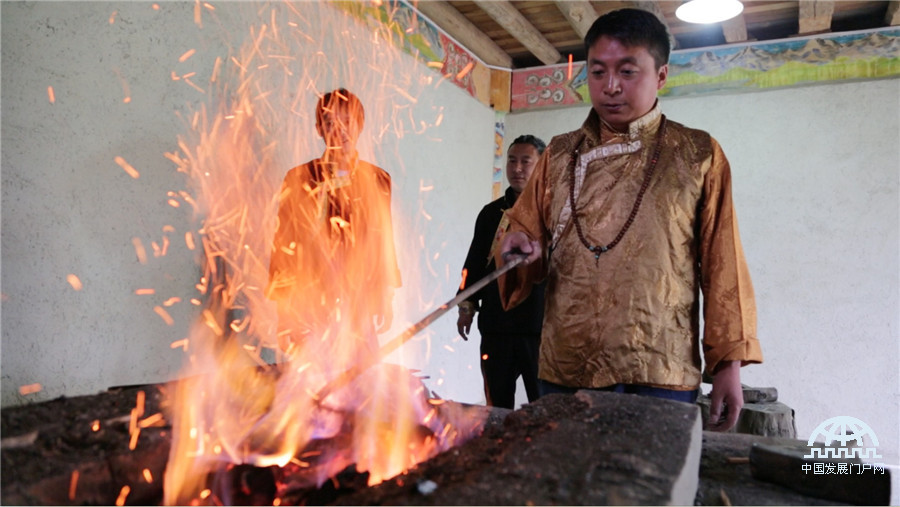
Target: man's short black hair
[632, 27]
[340, 99]
[530, 139]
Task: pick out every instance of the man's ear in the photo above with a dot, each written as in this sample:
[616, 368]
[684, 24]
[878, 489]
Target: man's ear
[662, 74]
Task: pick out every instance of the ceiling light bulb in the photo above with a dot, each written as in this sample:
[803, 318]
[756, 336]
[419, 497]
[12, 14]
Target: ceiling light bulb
[708, 11]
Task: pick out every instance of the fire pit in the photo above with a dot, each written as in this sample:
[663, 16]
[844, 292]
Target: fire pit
[562, 449]
[590, 448]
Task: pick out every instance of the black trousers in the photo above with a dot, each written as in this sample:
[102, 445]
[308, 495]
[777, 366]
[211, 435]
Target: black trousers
[504, 357]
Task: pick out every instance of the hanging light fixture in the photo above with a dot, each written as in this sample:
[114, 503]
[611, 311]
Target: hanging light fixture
[708, 11]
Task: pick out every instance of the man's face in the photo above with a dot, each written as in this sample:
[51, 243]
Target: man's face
[339, 129]
[622, 81]
[520, 162]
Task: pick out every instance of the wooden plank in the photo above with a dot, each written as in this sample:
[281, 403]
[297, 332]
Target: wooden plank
[513, 22]
[735, 29]
[579, 13]
[815, 16]
[466, 33]
[892, 16]
[652, 6]
[501, 85]
[481, 77]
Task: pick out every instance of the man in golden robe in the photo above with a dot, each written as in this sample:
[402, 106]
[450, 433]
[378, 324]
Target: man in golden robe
[333, 268]
[630, 218]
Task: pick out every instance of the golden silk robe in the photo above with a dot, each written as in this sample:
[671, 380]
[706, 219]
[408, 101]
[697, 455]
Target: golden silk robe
[632, 315]
[333, 258]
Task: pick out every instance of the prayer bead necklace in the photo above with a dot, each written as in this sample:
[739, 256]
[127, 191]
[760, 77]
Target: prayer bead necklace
[600, 249]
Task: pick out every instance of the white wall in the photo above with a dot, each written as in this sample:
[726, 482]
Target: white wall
[816, 189]
[68, 208]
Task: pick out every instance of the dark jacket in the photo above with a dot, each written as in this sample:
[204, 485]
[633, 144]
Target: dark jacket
[526, 318]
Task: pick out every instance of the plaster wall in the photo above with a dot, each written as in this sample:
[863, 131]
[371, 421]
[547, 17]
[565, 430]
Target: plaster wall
[69, 208]
[815, 178]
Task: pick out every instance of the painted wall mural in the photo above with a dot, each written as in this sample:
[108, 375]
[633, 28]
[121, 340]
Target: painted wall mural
[747, 67]
[499, 155]
[401, 25]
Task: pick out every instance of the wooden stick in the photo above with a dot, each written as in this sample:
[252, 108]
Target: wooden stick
[19, 440]
[345, 378]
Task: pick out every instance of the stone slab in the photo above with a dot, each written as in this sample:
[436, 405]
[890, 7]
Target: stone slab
[846, 480]
[591, 448]
[726, 477]
[760, 394]
[773, 419]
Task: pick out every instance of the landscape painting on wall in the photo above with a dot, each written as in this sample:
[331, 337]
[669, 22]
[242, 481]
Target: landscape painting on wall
[745, 67]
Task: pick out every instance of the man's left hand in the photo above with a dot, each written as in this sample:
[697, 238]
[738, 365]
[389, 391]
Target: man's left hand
[384, 320]
[726, 398]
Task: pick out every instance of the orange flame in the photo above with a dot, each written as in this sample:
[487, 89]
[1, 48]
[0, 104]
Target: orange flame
[187, 54]
[74, 282]
[73, 484]
[296, 267]
[164, 315]
[139, 250]
[123, 494]
[127, 167]
[29, 389]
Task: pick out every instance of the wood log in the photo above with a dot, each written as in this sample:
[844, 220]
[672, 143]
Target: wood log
[765, 419]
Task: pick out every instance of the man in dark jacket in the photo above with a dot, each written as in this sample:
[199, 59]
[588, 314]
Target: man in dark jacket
[509, 340]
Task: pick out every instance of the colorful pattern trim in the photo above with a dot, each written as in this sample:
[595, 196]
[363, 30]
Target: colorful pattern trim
[747, 67]
[405, 28]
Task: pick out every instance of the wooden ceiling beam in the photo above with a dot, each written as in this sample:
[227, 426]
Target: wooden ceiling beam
[506, 15]
[580, 14]
[653, 6]
[815, 16]
[470, 36]
[892, 16]
[735, 29]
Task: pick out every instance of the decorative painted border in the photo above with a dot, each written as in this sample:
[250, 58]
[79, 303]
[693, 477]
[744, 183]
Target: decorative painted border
[404, 27]
[746, 67]
[499, 158]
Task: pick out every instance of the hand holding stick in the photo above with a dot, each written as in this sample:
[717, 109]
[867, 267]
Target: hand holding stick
[512, 260]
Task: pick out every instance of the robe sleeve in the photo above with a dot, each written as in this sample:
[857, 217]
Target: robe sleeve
[529, 215]
[390, 264]
[729, 307]
[283, 252]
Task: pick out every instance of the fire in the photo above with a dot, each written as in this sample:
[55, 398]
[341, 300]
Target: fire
[164, 315]
[123, 495]
[73, 484]
[286, 370]
[127, 167]
[74, 281]
[30, 389]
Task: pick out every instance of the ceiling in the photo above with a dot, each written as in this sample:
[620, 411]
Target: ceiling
[529, 33]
